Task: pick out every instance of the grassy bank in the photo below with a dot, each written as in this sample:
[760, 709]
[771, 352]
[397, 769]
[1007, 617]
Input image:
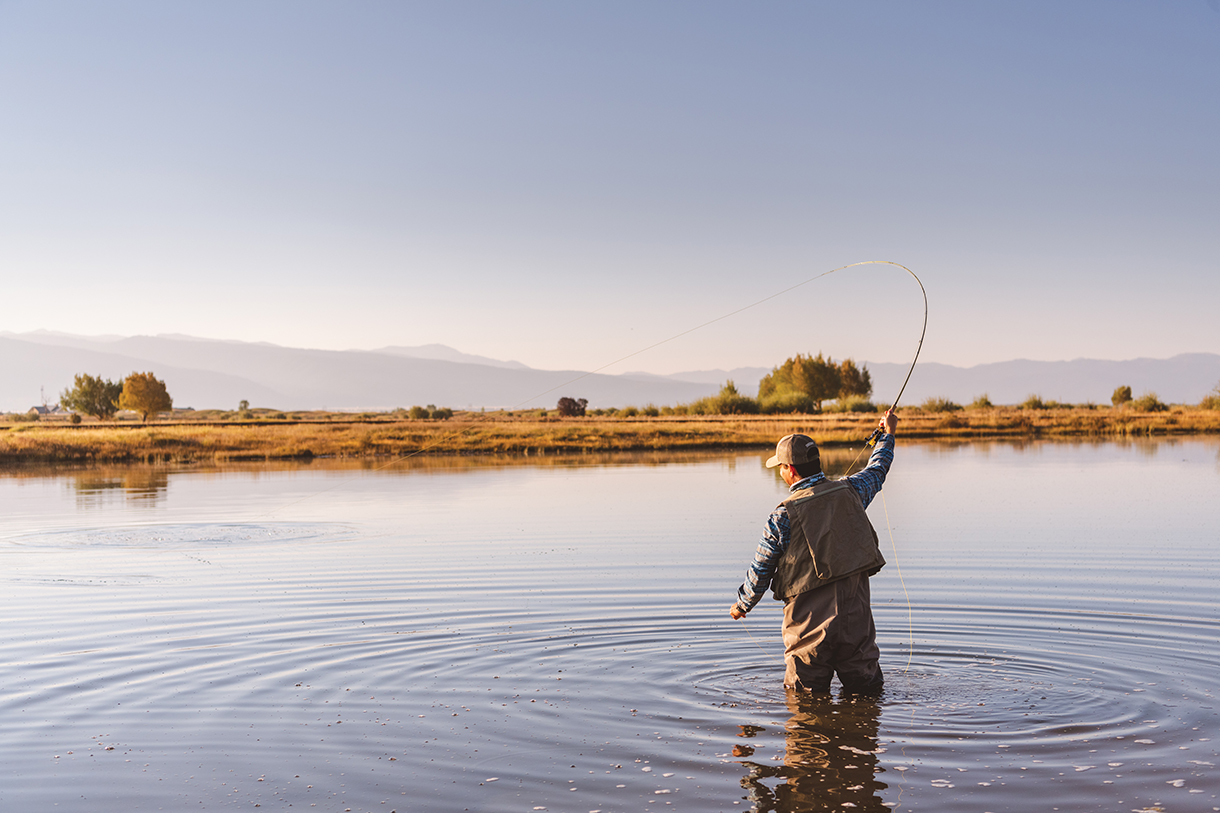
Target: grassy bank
[530, 434]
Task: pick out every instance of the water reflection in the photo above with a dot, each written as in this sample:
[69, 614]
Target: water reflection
[830, 757]
[140, 485]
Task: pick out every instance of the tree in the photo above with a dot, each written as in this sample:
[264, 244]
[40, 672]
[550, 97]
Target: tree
[854, 380]
[1121, 396]
[93, 396]
[146, 394]
[572, 407]
[816, 377]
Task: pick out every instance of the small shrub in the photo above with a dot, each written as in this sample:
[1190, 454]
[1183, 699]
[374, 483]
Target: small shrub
[629, 412]
[1122, 395]
[786, 402]
[1034, 402]
[75, 417]
[24, 417]
[1148, 402]
[982, 402]
[939, 405]
[651, 411]
[853, 403]
[417, 413]
[731, 402]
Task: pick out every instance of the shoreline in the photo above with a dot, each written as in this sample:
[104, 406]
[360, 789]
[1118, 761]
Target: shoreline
[531, 434]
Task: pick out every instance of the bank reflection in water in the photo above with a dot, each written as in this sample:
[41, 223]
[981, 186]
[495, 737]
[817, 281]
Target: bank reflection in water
[829, 762]
[145, 485]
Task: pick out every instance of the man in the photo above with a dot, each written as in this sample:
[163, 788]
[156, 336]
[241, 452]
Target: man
[817, 553]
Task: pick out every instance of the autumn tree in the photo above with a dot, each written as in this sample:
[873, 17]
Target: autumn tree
[853, 380]
[817, 378]
[146, 394]
[92, 396]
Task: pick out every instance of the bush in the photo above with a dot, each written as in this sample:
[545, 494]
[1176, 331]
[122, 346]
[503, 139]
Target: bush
[786, 402]
[651, 411]
[417, 413]
[982, 402]
[75, 417]
[629, 412]
[854, 403]
[1122, 395]
[1148, 402]
[728, 402]
[1034, 402]
[939, 405]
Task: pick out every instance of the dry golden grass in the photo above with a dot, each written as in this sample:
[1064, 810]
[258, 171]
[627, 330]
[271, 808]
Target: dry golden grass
[497, 433]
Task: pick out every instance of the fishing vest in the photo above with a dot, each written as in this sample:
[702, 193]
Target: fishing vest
[831, 539]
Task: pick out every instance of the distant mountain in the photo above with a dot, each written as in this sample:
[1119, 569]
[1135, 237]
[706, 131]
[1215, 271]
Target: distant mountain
[441, 352]
[206, 373]
[203, 373]
[745, 379]
[1183, 379]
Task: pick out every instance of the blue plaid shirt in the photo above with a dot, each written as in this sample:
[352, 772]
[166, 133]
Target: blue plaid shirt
[777, 534]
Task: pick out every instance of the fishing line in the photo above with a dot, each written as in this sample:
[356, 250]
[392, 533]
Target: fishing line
[903, 582]
[479, 420]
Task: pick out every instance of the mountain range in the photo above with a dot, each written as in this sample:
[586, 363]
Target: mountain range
[209, 373]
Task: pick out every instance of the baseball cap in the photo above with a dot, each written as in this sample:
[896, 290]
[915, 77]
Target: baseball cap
[794, 450]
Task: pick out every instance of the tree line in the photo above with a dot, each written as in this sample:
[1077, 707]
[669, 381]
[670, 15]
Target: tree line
[801, 384]
[139, 392]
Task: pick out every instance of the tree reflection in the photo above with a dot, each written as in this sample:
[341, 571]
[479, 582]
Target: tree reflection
[830, 760]
[139, 484]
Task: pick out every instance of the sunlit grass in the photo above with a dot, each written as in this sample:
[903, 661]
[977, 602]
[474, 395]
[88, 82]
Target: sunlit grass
[530, 433]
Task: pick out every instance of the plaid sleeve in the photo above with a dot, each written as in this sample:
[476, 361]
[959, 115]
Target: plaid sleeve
[771, 547]
[868, 481]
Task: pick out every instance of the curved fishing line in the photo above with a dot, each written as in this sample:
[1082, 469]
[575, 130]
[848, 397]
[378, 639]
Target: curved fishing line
[459, 432]
[871, 440]
[903, 582]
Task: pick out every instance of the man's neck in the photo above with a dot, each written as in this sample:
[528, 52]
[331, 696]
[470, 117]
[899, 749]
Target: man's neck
[807, 481]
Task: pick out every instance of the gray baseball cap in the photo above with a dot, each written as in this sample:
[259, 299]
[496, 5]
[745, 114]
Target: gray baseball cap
[795, 450]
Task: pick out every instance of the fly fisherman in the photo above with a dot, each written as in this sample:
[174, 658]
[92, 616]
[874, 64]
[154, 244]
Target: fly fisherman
[817, 553]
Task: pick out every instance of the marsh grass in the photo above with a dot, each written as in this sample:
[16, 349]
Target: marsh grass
[530, 434]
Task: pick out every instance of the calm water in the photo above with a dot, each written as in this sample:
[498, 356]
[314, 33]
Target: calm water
[450, 635]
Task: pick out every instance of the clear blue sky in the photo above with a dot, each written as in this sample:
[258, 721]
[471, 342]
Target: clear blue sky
[562, 183]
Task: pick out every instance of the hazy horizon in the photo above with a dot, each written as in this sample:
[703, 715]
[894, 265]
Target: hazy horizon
[614, 371]
[563, 184]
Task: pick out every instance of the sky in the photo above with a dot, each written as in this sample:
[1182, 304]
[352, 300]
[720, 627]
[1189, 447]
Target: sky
[563, 184]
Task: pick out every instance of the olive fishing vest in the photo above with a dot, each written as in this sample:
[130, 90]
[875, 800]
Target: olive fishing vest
[831, 539]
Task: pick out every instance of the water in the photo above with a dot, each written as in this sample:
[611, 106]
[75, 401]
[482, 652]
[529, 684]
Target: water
[553, 634]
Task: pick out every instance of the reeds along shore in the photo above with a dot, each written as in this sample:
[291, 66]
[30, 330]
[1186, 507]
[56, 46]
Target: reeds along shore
[343, 436]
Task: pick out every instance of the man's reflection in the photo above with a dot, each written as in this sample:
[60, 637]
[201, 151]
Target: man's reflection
[830, 761]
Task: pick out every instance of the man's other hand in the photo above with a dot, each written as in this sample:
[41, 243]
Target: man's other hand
[736, 612]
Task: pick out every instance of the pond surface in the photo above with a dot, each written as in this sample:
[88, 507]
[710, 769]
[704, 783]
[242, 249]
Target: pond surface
[448, 635]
